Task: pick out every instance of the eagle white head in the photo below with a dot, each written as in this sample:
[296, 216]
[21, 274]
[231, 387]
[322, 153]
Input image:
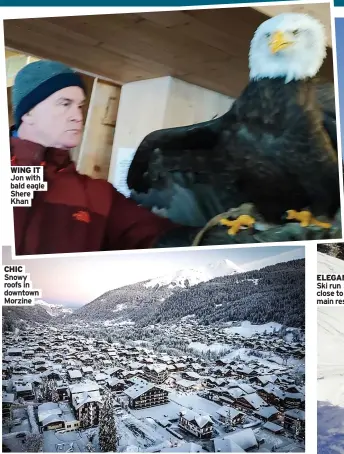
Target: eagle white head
[289, 45]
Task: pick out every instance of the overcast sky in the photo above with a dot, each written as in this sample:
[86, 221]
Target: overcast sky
[74, 281]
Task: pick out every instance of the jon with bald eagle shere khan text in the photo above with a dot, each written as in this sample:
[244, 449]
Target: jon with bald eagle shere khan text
[267, 170]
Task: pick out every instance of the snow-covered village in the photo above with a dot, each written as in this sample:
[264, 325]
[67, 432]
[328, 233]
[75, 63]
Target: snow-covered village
[203, 360]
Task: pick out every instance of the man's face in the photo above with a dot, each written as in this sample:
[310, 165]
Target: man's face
[58, 120]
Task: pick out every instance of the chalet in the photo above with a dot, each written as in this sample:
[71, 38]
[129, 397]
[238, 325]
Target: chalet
[87, 370]
[156, 373]
[38, 361]
[28, 354]
[268, 414]
[115, 384]
[249, 402]
[184, 385]
[14, 352]
[226, 445]
[245, 439]
[7, 403]
[246, 388]
[191, 376]
[199, 425]
[180, 367]
[74, 375]
[24, 391]
[50, 416]
[273, 395]
[101, 378]
[274, 428]
[294, 422]
[293, 400]
[228, 413]
[143, 394]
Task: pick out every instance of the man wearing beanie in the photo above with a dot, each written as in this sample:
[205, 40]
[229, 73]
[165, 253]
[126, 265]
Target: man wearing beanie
[76, 213]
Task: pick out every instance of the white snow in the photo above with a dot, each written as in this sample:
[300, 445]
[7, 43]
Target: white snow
[54, 309]
[120, 307]
[247, 329]
[331, 354]
[216, 347]
[191, 277]
[328, 264]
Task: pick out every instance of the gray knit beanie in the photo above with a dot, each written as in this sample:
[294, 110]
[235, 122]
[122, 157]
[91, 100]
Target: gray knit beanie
[37, 81]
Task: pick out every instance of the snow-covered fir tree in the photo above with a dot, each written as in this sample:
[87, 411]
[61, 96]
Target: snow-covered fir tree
[108, 439]
[54, 394]
[228, 421]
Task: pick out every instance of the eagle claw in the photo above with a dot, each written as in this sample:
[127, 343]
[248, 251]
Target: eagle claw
[306, 218]
[242, 221]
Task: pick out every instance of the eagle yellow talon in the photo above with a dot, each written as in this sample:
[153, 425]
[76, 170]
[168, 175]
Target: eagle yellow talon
[242, 221]
[306, 218]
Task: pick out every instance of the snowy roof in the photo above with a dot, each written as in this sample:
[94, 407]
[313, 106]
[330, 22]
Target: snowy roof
[185, 383]
[158, 368]
[192, 374]
[82, 399]
[26, 387]
[87, 369]
[226, 445]
[7, 398]
[48, 409]
[255, 400]
[272, 427]
[267, 412]
[223, 411]
[82, 387]
[235, 392]
[48, 406]
[247, 388]
[246, 438]
[186, 447]
[75, 373]
[52, 418]
[296, 414]
[114, 381]
[101, 376]
[200, 420]
[138, 389]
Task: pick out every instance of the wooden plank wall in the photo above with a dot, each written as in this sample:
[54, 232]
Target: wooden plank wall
[96, 148]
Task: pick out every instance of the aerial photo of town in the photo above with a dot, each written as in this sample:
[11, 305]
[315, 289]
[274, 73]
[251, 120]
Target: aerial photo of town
[205, 353]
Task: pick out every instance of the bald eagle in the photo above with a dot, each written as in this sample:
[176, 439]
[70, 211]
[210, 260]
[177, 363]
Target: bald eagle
[275, 148]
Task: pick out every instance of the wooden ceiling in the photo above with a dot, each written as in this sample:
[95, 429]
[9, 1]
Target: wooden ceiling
[205, 47]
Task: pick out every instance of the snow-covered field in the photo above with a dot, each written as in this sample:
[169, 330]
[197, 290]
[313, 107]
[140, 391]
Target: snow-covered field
[218, 348]
[328, 264]
[330, 378]
[247, 329]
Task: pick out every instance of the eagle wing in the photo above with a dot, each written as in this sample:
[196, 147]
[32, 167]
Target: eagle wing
[326, 98]
[175, 172]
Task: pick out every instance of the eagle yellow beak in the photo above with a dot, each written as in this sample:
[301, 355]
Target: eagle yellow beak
[279, 42]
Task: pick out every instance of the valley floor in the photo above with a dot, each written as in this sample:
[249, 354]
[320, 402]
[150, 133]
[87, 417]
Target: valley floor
[245, 382]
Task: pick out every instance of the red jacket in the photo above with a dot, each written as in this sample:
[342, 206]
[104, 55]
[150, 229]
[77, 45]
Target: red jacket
[77, 213]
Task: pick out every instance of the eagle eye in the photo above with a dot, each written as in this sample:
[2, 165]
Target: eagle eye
[296, 32]
[268, 35]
